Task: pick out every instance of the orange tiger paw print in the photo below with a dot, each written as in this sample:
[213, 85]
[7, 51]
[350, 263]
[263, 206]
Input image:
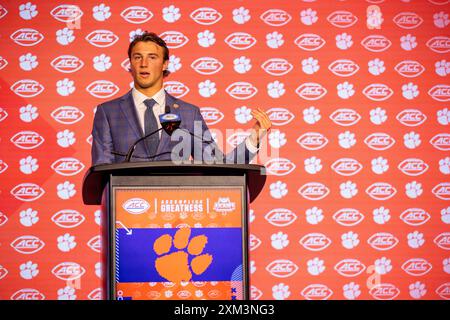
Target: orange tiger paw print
[175, 267]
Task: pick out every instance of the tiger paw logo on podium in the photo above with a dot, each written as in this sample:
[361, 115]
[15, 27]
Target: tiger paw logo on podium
[177, 266]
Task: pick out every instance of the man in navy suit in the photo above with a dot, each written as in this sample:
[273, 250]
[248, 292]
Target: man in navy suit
[120, 122]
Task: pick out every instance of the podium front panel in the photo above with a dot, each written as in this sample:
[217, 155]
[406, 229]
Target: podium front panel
[179, 238]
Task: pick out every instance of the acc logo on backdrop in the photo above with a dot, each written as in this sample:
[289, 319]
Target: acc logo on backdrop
[384, 291]
[237, 138]
[378, 92]
[27, 37]
[27, 244]
[206, 16]
[102, 89]
[67, 63]
[417, 267]
[346, 167]
[409, 68]
[415, 216]
[439, 44]
[176, 88]
[255, 242]
[240, 40]
[136, 206]
[282, 268]
[310, 42]
[345, 117]
[68, 218]
[280, 116]
[440, 92]
[443, 240]
[207, 65]
[241, 90]
[68, 271]
[211, 115]
[67, 166]
[67, 114]
[174, 39]
[95, 244]
[381, 191]
[349, 267]
[102, 38]
[27, 140]
[413, 167]
[276, 17]
[315, 241]
[411, 117]
[314, 191]
[27, 192]
[3, 63]
[342, 19]
[27, 88]
[136, 14]
[312, 141]
[382, 241]
[343, 67]
[442, 191]
[316, 292]
[311, 91]
[277, 66]
[279, 166]
[376, 43]
[66, 13]
[27, 294]
[280, 217]
[408, 20]
[379, 141]
[441, 141]
[348, 217]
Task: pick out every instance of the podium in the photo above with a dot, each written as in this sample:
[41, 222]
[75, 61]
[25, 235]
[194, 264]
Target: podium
[174, 231]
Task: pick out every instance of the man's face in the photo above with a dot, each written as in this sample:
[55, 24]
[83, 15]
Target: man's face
[147, 65]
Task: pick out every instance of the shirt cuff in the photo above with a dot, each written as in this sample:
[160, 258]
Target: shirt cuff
[250, 146]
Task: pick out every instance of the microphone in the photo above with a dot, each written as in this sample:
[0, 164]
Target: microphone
[169, 123]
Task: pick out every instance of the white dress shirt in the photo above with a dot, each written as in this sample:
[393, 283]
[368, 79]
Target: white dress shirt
[159, 108]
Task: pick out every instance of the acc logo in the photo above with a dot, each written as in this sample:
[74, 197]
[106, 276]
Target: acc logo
[280, 217]
[314, 191]
[206, 16]
[176, 88]
[67, 166]
[384, 291]
[67, 114]
[444, 291]
[66, 13]
[312, 140]
[408, 20]
[346, 167]
[441, 141]
[279, 166]
[126, 65]
[237, 138]
[95, 244]
[96, 294]
[277, 66]
[311, 91]
[68, 218]
[27, 192]
[67, 64]
[316, 292]
[240, 40]
[3, 114]
[211, 115]
[27, 37]
[3, 220]
[350, 267]
[3, 166]
[27, 140]
[68, 271]
[102, 89]
[89, 139]
[413, 167]
[27, 88]
[417, 267]
[3, 63]
[315, 241]
[409, 68]
[342, 19]
[282, 268]
[3, 272]
[27, 294]
[376, 43]
[382, 241]
[378, 92]
[3, 11]
[136, 14]
[184, 294]
[280, 116]
[343, 68]
[102, 38]
[379, 141]
[439, 44]
[348, 217]
[411, 117]
[136, 206]
[255, 242]
[310, 42]
[442, 191]
[27, 244]
[207, 65]
[255, 293]
[443, 240]
[174, 39]
[440, 92]
[241, 90]
[381, 191]
[276, 17]
[415, 216]
[345, 117]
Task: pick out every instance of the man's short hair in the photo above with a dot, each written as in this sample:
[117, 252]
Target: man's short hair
[152, 37]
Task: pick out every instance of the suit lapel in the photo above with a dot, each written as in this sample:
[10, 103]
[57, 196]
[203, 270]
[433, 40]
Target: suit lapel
[129, 110]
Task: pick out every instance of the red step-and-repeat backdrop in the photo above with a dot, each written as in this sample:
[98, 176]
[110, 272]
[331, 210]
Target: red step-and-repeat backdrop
[357, 202]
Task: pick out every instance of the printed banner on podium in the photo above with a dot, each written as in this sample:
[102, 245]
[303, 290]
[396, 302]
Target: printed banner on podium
[179, 243]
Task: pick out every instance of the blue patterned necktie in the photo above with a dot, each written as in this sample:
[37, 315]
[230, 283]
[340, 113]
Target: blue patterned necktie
[150, 125]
